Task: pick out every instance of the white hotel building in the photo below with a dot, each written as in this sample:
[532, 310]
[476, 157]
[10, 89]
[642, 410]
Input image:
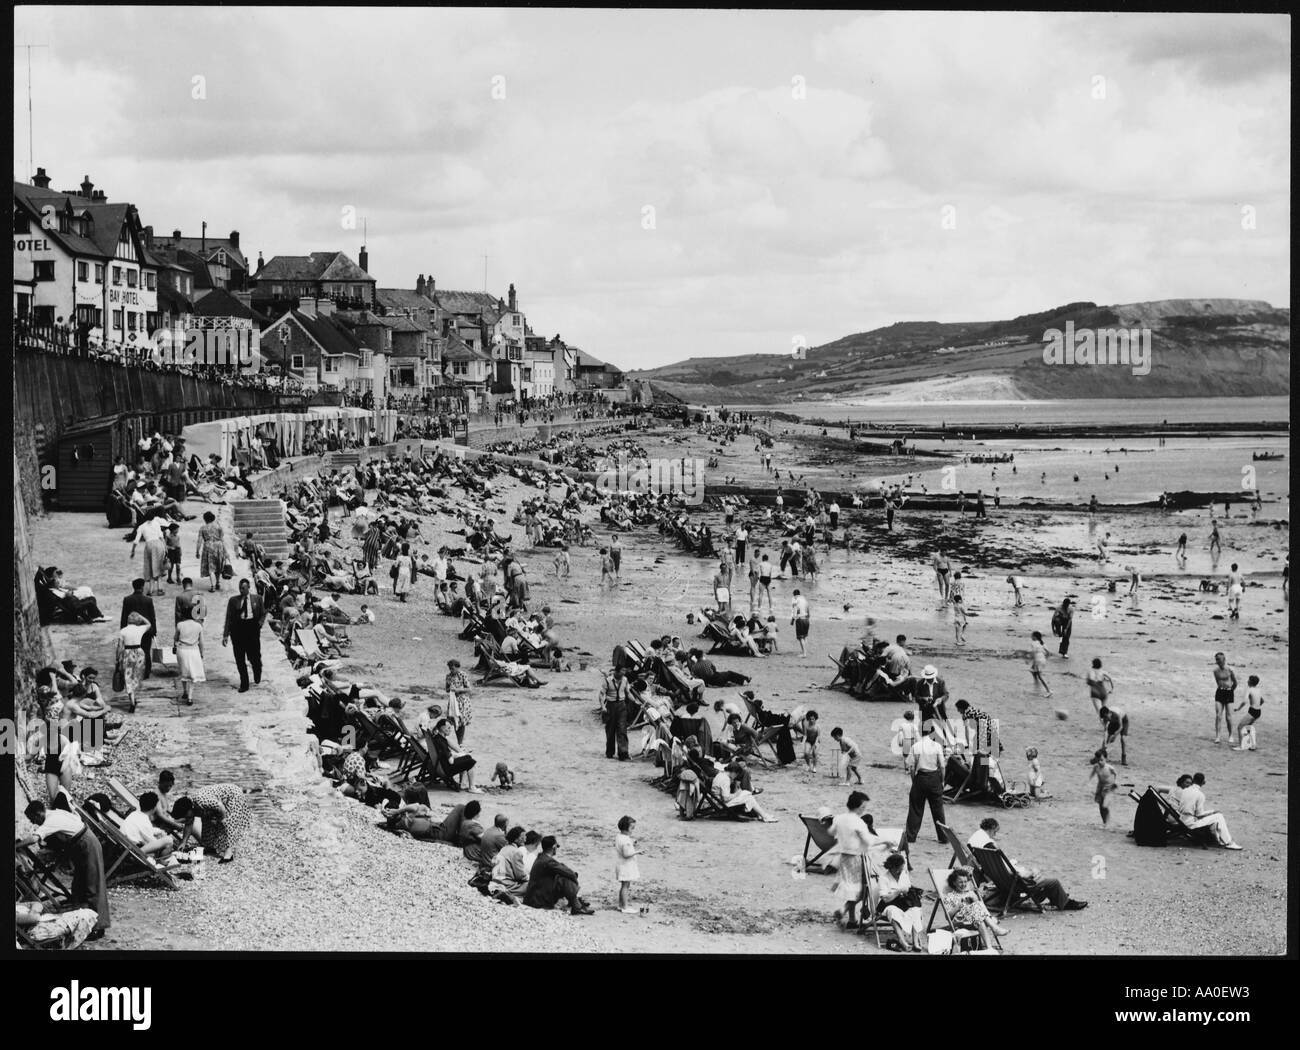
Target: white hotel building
[80, 260]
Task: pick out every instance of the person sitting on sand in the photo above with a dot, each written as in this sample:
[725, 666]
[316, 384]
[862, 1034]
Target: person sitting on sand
[704, 669]
[509, 879]
[550, 882]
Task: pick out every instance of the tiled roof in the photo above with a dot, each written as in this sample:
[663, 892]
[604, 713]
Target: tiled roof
[456, 350]
[333, 338]
[467, 303]
[402, 299]
[197, 245]
[318, 266]
[362, 318]
[220, 303]
[106, 219]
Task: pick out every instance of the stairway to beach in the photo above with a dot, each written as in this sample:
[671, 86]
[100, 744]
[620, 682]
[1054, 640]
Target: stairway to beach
[264, 518]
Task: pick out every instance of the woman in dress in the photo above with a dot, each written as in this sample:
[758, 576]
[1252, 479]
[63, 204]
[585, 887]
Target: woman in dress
[130, 654]
[211, 550]
[898, 903]
[964, 907]
[188, 647]
[405, 573]
[453, 759]
[216, 816]
[65, 930]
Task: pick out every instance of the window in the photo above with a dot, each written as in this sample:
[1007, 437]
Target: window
[296, 362]
[151, 320]
[130, 320]
[83, 271]
[99, 273]
[22, 223]
[331, 364]
[277, 290]
[117, 320]
[132, 278]
[65, 223]
[44, 270]
[151, 281]
[117, 275]
[43, 315]
[367, 358]
[82, 453]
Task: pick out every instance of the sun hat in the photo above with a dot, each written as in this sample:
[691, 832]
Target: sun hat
[930, 672]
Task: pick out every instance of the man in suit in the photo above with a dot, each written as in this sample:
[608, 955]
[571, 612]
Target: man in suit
[244, 616]
[138, 601]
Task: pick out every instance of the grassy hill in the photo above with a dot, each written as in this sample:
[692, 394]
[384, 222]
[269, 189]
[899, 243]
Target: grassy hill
[1230, 347]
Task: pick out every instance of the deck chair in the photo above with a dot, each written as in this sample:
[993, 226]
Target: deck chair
[497, 671]
[473, 625]
[715, 632]
[669, 682]
[872, 920]
[123, 860]
[963, 936]
[378, 733]
[305, 646]
[839, 673]
[124, 798]
[35, 879]
[1178, 827]
[961, 856]
[820, 836]
[711, 803]
[1012, 887]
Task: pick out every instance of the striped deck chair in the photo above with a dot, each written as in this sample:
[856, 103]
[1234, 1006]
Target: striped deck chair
[964, 937]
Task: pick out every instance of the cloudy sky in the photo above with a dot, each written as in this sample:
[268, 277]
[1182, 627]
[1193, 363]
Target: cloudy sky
[663, 184]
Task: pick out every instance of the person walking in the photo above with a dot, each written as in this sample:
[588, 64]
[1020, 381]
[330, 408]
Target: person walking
[1100, 685]
[188, 647]
[801, 617]
[928, 761]
[130, 654]
[138, 602]
[150, 534]
[1038, 661]
[211, 550]
[616, 555]
[1064, 622]
[244, 617]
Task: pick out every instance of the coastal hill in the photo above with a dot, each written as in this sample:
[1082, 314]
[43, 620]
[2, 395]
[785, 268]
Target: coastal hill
[1199, 347]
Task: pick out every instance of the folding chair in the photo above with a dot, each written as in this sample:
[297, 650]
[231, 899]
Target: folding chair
[124, 798]
[1013, 889]
[378, 733]
[961, 857]
[839, 673]
[497, 671]
[1178, 827]
[36, 880]
[962, 935]
[820, 836]
[306, 646]
[123, 860]
[872, 920]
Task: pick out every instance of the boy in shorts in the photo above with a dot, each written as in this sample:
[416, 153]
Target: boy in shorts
[172, 543]
[850, 754]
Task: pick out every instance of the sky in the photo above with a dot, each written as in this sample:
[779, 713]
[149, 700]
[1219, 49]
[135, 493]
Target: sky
[661, 185]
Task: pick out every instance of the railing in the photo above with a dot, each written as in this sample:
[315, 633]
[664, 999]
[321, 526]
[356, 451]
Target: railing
[74, 341]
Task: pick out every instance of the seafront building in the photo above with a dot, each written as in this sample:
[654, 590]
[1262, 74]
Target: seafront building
[92, 274]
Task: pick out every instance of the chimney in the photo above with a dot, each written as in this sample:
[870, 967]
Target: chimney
[307, 306]
[363, 259]
[100, 196]
[87, 187]
[431, 289]
[513, 304]
[40, 179]
[148, 236]
[176, 237]
[203, 239]
[234, 239]
[324, 307]
[419, 285]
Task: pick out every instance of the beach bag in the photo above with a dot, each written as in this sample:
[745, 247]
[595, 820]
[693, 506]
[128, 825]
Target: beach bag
[227, 573]
[119, 678]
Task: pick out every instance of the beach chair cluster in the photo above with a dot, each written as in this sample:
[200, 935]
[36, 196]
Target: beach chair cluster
[1154, 810]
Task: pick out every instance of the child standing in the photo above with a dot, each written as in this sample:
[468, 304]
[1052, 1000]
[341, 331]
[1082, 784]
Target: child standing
[1035, 774]
[625, 867]
[562, 564]
[1105, 774]
[959, 619]
[1038, 660]
[1254, 705]
[172, 543]
[850, 754]
[810, 735]
[606, 567]
[908, 735]
[1015, 586]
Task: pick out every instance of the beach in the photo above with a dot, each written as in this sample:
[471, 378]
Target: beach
[318, 875]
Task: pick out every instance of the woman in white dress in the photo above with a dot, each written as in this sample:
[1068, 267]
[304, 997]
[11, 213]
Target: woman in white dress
[188, 647]
[896, 900]
[405, 573]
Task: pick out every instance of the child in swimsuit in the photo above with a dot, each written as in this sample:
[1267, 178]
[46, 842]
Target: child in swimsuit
[1105, 774]
[1254, 705]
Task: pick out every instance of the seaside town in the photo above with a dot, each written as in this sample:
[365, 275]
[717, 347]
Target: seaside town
[359, 612]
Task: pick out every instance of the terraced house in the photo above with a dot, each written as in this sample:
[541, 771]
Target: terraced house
[285, 279]
[80, 260]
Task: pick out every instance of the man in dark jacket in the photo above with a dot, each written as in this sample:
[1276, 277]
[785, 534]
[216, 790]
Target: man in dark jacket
[484, 851]
[460, 827]
[138, 601]
[551, 882]
[244, 616]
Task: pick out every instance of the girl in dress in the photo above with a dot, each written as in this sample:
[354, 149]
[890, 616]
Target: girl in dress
[405, 573]
[1038, 661]
[188, 647]
[625, 867]
[211, 550]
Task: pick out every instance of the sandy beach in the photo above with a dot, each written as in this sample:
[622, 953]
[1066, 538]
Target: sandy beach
[318, 875]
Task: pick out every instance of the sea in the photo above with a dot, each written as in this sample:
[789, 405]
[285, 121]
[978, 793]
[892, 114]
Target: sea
[1243, 410]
